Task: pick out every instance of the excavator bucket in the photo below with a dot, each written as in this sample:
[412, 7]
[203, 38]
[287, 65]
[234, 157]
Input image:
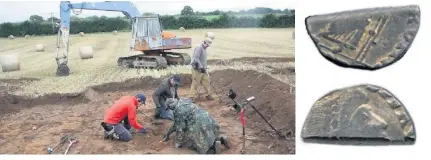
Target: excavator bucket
[63, 70]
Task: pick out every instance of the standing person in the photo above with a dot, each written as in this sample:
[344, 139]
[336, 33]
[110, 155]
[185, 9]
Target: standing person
[199, 73]
[167, 89]
[121, 117]
[195, 128]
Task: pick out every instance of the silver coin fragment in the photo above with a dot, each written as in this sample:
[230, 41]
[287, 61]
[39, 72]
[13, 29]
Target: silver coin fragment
[367, 39]
[358, 114]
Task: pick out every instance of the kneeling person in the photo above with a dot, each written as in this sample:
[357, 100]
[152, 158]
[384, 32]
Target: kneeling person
[195, 128]
[167, 89]
[121, 117]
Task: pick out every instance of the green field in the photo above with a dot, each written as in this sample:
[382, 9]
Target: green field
[211, 17]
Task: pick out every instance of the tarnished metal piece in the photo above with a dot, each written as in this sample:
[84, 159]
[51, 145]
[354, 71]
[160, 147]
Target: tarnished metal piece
[365, 39]
[359, 114]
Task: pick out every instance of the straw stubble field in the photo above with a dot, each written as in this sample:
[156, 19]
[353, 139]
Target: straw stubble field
[228, 43]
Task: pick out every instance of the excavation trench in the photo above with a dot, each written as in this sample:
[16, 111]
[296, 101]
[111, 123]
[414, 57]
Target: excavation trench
[30, 125]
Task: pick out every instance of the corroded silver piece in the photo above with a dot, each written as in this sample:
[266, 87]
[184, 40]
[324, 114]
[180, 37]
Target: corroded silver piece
[362, 112]
[365, 39]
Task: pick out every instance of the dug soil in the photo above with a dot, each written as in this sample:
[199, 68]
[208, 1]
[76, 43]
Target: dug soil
[29, 126]
[249, 60]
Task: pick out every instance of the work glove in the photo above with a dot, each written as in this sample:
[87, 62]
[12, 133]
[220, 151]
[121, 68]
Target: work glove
[165, 107]
[143, 130]
[203, 70]
[196, 65]
[165, 138]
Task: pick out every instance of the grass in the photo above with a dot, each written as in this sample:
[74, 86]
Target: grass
[256, 15]
[228, 43]
[211, 17]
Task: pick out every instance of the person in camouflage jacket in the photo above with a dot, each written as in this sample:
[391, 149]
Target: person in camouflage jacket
[195, 128]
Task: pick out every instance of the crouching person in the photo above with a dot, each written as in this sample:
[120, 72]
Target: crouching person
[167, 89]
[195, 128]
[121, 117]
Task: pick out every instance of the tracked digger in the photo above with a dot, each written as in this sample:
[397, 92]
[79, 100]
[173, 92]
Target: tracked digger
[147, 37]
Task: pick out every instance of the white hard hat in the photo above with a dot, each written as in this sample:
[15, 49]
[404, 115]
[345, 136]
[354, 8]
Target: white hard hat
[208, 41]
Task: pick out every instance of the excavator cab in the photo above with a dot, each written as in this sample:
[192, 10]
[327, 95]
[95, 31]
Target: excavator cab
[148, 38]
[146, 33]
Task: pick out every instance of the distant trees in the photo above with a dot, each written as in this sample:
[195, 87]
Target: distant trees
[99, 24]
[54, 19]
[263, 10]
[36, 18]
[36, 25]
[7, 28]
[88, 25]
[269, 20]
[187, 11]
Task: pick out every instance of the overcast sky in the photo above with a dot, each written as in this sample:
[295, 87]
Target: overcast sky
[16, 11]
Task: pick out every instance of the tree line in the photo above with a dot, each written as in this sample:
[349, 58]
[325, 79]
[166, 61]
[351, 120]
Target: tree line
[257, 10]
[228, 21]
[188, 19]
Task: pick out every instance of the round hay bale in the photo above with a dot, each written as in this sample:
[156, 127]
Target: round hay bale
[115, 32]
[293, 35]
[86, 52]
[27, 36]
[81, 34]
[11, 37]
[182, 29]
[10, 62]
[210, 35]
[40, 48]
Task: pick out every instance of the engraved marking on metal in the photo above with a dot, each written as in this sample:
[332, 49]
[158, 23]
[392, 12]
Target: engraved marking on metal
[367, 38]
[361, 111]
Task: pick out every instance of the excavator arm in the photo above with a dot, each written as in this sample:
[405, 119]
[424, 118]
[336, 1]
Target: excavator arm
[127, 8]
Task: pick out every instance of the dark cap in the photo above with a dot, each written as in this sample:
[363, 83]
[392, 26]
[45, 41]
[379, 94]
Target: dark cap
[176, 78]
[141, 98]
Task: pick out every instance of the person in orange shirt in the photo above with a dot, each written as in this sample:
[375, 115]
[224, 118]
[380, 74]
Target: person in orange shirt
[121, 117]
